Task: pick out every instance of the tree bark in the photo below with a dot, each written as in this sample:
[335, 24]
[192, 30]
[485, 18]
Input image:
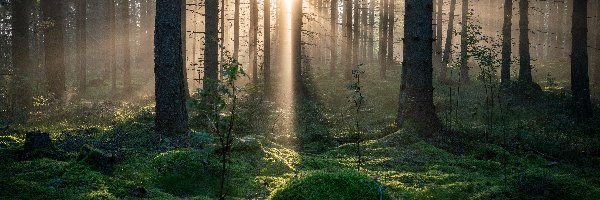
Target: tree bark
[81, 39]
[446, 58]
[236, 29]
[506, 42]
[334, 32]
[356, 35]
[348, 34]
[54, 48]
[127, 88]
[211, 54]
[170, 87]
[524, 55]
[391, 21]
[464, 57]
[580, 86]
[371, 35]
[439, 32]
[383, 31]
[253, 39]
[296, 31]
[21, 94]
[267, 41]
[112, 45]
[416, 93]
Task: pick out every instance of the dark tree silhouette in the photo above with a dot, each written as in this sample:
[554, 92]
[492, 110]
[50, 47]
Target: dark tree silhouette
[416, 93]
[211, 53]
[446, 59]
[347, 57]
[22, 97]
[371, 32]
[236, 29]
[391, 21]
[383, 31]
[334, 32]
[54, 47]
[254, 39]
[524, 55]
[506, 41]
[580, 85]
[439, 33]
[169, 70]
[112, 43]
[127, 88]
[297, 43]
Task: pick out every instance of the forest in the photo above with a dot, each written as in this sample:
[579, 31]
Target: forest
[300, 99]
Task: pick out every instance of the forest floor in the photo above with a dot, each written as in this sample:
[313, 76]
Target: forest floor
[527, 147]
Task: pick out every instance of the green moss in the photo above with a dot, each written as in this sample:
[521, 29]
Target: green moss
[539, 184]
[186, 172]
[337, 185]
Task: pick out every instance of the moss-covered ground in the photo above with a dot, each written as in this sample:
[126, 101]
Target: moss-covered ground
[521, 147]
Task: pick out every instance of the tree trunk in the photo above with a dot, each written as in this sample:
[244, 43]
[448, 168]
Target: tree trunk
[371, 35]
[506, 42]
[21, 94]
[267, 41]
[383, 31]
[112, 45]
[81, 39]
[348, 33]
[580, 86]
[170, 87]
[439, 32]
[356, 35]
[416, 94]
[127, 89]
[446, 58]
[334, 32]
[253, 39]
[524, 55]
[54, 48]
[364, 31]
[211, 54]
[464, 57]
[391, 21]
[296, 31]
[236, 29]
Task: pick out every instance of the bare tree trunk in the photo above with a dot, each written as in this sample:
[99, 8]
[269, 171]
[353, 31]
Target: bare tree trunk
[253, 39]
[383, 31]
[52, 10]
[112, 46]
[391, 21]
[439, 33]
[356, 35]
[171, 111]
[267, 41]
[127, 89]
[448, 46]
[507, 41]
[416, 95]
[211, 53]
[81, 39]
[21, 94]
[334, 32]
[296, 31]
[524, 55]
[580, 86]
[236, 29]
[348, 33]
[464, 57]
[371, 35]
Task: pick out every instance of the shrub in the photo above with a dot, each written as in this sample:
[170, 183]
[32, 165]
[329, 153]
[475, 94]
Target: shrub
[337, 185]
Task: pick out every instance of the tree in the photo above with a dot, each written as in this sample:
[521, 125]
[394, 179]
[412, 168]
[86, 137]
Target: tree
[371, 35]
[506, 41]
[112, 26]
[296, 31]
[416, 93]
[267, 41]
[446, 58]
[127, 88]
[348, 34]
[391, 21]
[355, 35]
[54, 47]
[170, 87]
[82, 45]
[580, 86]
[383, 31]
[524, 55]
[22, 97]
[236, 29]
[464, 58]
[439, 31]
[254, 39]
[334, 32]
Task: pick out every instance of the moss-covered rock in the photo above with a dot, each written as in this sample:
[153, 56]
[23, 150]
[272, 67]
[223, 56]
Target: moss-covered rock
[185, 173]
[98, 159]
[337, 185]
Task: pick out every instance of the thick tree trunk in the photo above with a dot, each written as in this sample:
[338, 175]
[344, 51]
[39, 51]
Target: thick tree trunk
[211, 53]
[506, 41]
[267, 41]
[21, 94]
[464, 58]
[54, 48]
[383, 31]
[170, 87]
[127, 88]
[236, 29]
[524, 55]
[446, 58]
[81, 38]
[580, 86]
[416, 94]
[334, 32]
[253, 39]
